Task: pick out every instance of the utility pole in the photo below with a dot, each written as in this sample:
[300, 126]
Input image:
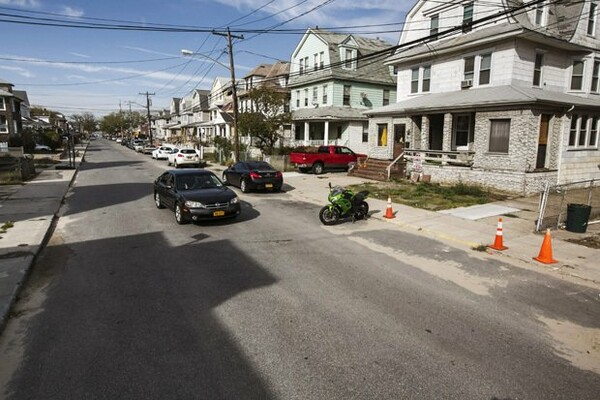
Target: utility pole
[236, 137]
[148, 103]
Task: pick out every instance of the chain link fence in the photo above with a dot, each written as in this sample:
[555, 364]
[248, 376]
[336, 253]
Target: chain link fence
[554, 201]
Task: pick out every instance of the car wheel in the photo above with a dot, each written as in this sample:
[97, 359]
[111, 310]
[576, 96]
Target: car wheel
[317, 168]
[168, 162]
[176, 165]
[157, 201]
[244, 186]
[224, 179]
[179, 217]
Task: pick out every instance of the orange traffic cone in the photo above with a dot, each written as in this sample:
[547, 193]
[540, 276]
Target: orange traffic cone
[498, 241]
[545, 255]
[389, 213]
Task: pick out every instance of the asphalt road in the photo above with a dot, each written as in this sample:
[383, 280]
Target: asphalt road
[124, 303]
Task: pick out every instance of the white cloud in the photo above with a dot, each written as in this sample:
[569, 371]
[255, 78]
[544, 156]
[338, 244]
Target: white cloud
[21, 3]
[81, 55]
[20, 71]
[71, 12]
[108, 72]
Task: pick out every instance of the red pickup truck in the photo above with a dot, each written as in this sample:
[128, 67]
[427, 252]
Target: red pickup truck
[324, 157]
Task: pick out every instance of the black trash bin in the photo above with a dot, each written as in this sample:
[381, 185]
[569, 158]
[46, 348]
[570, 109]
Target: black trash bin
[578, 216]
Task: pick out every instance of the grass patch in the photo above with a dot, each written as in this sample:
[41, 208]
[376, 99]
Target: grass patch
[45, 162]
[10, 178]
[6, 226]
[430, 196]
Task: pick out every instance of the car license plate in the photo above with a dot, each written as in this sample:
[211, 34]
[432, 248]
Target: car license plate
[268, 185]
[218, 213]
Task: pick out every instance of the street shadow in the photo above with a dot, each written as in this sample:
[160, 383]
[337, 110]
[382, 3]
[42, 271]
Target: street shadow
[118, 193]
[135, 317]
[105, 165]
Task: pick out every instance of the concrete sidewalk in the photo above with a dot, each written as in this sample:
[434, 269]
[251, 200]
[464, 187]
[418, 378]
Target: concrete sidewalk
[33, 208]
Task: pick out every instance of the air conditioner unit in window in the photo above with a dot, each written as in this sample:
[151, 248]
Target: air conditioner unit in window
[467, 83]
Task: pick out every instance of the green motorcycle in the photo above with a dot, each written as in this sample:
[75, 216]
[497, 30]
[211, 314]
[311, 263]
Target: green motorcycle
[344, 203]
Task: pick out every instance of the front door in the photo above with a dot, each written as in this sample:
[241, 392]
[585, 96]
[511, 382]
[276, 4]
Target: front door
[399, 139]
[542, 142]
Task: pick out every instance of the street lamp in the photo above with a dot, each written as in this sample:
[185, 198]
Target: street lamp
[236, 138]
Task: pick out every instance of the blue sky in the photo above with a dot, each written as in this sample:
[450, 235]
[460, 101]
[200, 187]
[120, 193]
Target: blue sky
[74, 70]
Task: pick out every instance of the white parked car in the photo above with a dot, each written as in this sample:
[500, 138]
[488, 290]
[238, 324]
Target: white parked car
[162, 153]
[184, 157]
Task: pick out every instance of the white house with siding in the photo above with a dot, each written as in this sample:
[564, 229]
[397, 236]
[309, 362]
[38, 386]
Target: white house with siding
[498, 93]
[334, 78]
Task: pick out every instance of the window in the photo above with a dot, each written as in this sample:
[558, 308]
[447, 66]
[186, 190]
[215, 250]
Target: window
[365, 132]
[347, 95]
[462, 130]
[306, 97]
[594, 88]
[573, 130]
[2, 104]
[537, 69]
[540, 14]
[591, 24]
[301, 66]
[347, 59]
[315, 98]
[469, 68]
[386, 97]
[467, 17]
[316, 61]
[321, 59]
[593, 137]
[3, 125]
[577, 75]
[414, 81]
[583, 132]
[297, 99]
[426, 78]
[434, 24]
[324, 94]
[499, 135]
[382, 130]
[485, 67]
[583, 128]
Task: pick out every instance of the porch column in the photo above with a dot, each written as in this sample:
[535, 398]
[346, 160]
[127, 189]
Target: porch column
[307, 133]
[326, 133]
[447, 133]
[424, 132]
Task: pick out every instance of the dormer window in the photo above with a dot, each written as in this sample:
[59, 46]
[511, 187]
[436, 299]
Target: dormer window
[434, 24]
[349, 58]
[467, 17]
[591, 25]
[540, 14]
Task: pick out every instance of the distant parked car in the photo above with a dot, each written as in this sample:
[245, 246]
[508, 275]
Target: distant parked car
[194, 195]
[42, 148]
[181, 157]
[253, 175]
[148, 148]
[162, 152]
[138, 146]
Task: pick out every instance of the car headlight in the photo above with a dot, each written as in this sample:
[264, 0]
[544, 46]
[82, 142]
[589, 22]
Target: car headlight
[235, 200]
[194, 204]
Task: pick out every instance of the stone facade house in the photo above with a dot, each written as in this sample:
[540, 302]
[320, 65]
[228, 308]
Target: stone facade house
[10, 115]
[495, 93]
[334, 78]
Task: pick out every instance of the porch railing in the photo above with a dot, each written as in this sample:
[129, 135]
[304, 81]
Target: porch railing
[459, 158]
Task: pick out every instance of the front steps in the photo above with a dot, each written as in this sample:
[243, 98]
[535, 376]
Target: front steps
[375, 169]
